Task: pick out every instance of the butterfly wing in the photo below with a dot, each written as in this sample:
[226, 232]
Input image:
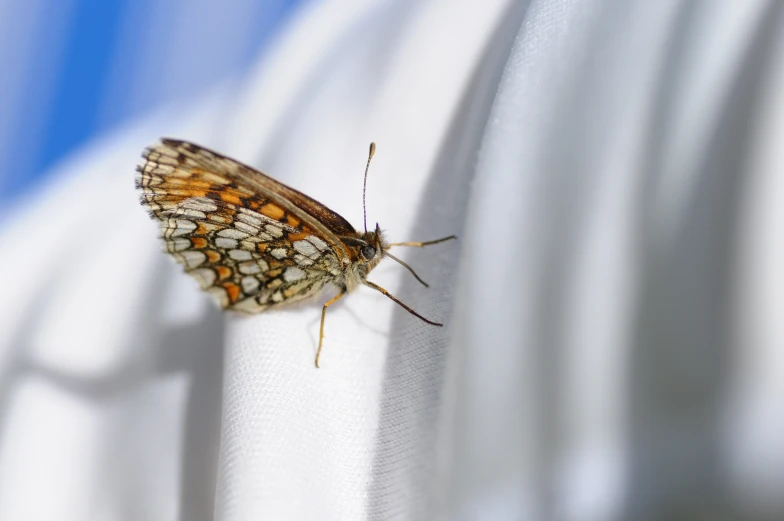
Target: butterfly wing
[327, 223]
[247, 239]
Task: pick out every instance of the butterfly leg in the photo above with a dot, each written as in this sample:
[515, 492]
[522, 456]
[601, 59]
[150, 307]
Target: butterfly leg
[416, 245]
[388, 294]
[423, 244]
[323, 316]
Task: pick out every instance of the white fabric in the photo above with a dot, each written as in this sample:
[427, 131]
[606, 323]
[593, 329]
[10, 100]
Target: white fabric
[612, 340]
[626, 320]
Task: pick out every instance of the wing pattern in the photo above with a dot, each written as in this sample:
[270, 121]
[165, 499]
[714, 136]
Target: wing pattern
[246, 250]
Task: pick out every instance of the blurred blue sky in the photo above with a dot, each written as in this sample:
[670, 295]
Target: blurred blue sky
[77, 68]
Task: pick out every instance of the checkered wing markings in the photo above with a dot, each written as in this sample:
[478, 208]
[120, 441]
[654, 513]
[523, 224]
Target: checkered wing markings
[242, 248]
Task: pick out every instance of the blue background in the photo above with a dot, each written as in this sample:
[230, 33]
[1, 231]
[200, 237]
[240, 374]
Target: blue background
[66, 55]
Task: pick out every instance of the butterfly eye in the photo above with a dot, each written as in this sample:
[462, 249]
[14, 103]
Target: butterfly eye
[368, 252]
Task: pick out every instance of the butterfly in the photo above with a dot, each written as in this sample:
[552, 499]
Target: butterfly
[252, 242]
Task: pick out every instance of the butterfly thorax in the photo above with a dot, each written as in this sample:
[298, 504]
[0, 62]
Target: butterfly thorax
[367, 251]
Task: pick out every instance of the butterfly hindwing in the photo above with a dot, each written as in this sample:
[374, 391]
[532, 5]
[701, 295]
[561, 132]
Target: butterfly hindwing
[243, 247]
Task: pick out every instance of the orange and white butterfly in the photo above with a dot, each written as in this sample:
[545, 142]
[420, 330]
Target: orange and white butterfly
[251, 242]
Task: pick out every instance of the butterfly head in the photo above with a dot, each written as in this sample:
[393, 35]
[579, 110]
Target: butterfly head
[372, 248]
[367, 250]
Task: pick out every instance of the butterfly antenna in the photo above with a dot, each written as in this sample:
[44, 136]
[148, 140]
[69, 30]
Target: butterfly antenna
[364, 185]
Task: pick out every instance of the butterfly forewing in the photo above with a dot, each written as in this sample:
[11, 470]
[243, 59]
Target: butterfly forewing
[247, 239]
[328, 224]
